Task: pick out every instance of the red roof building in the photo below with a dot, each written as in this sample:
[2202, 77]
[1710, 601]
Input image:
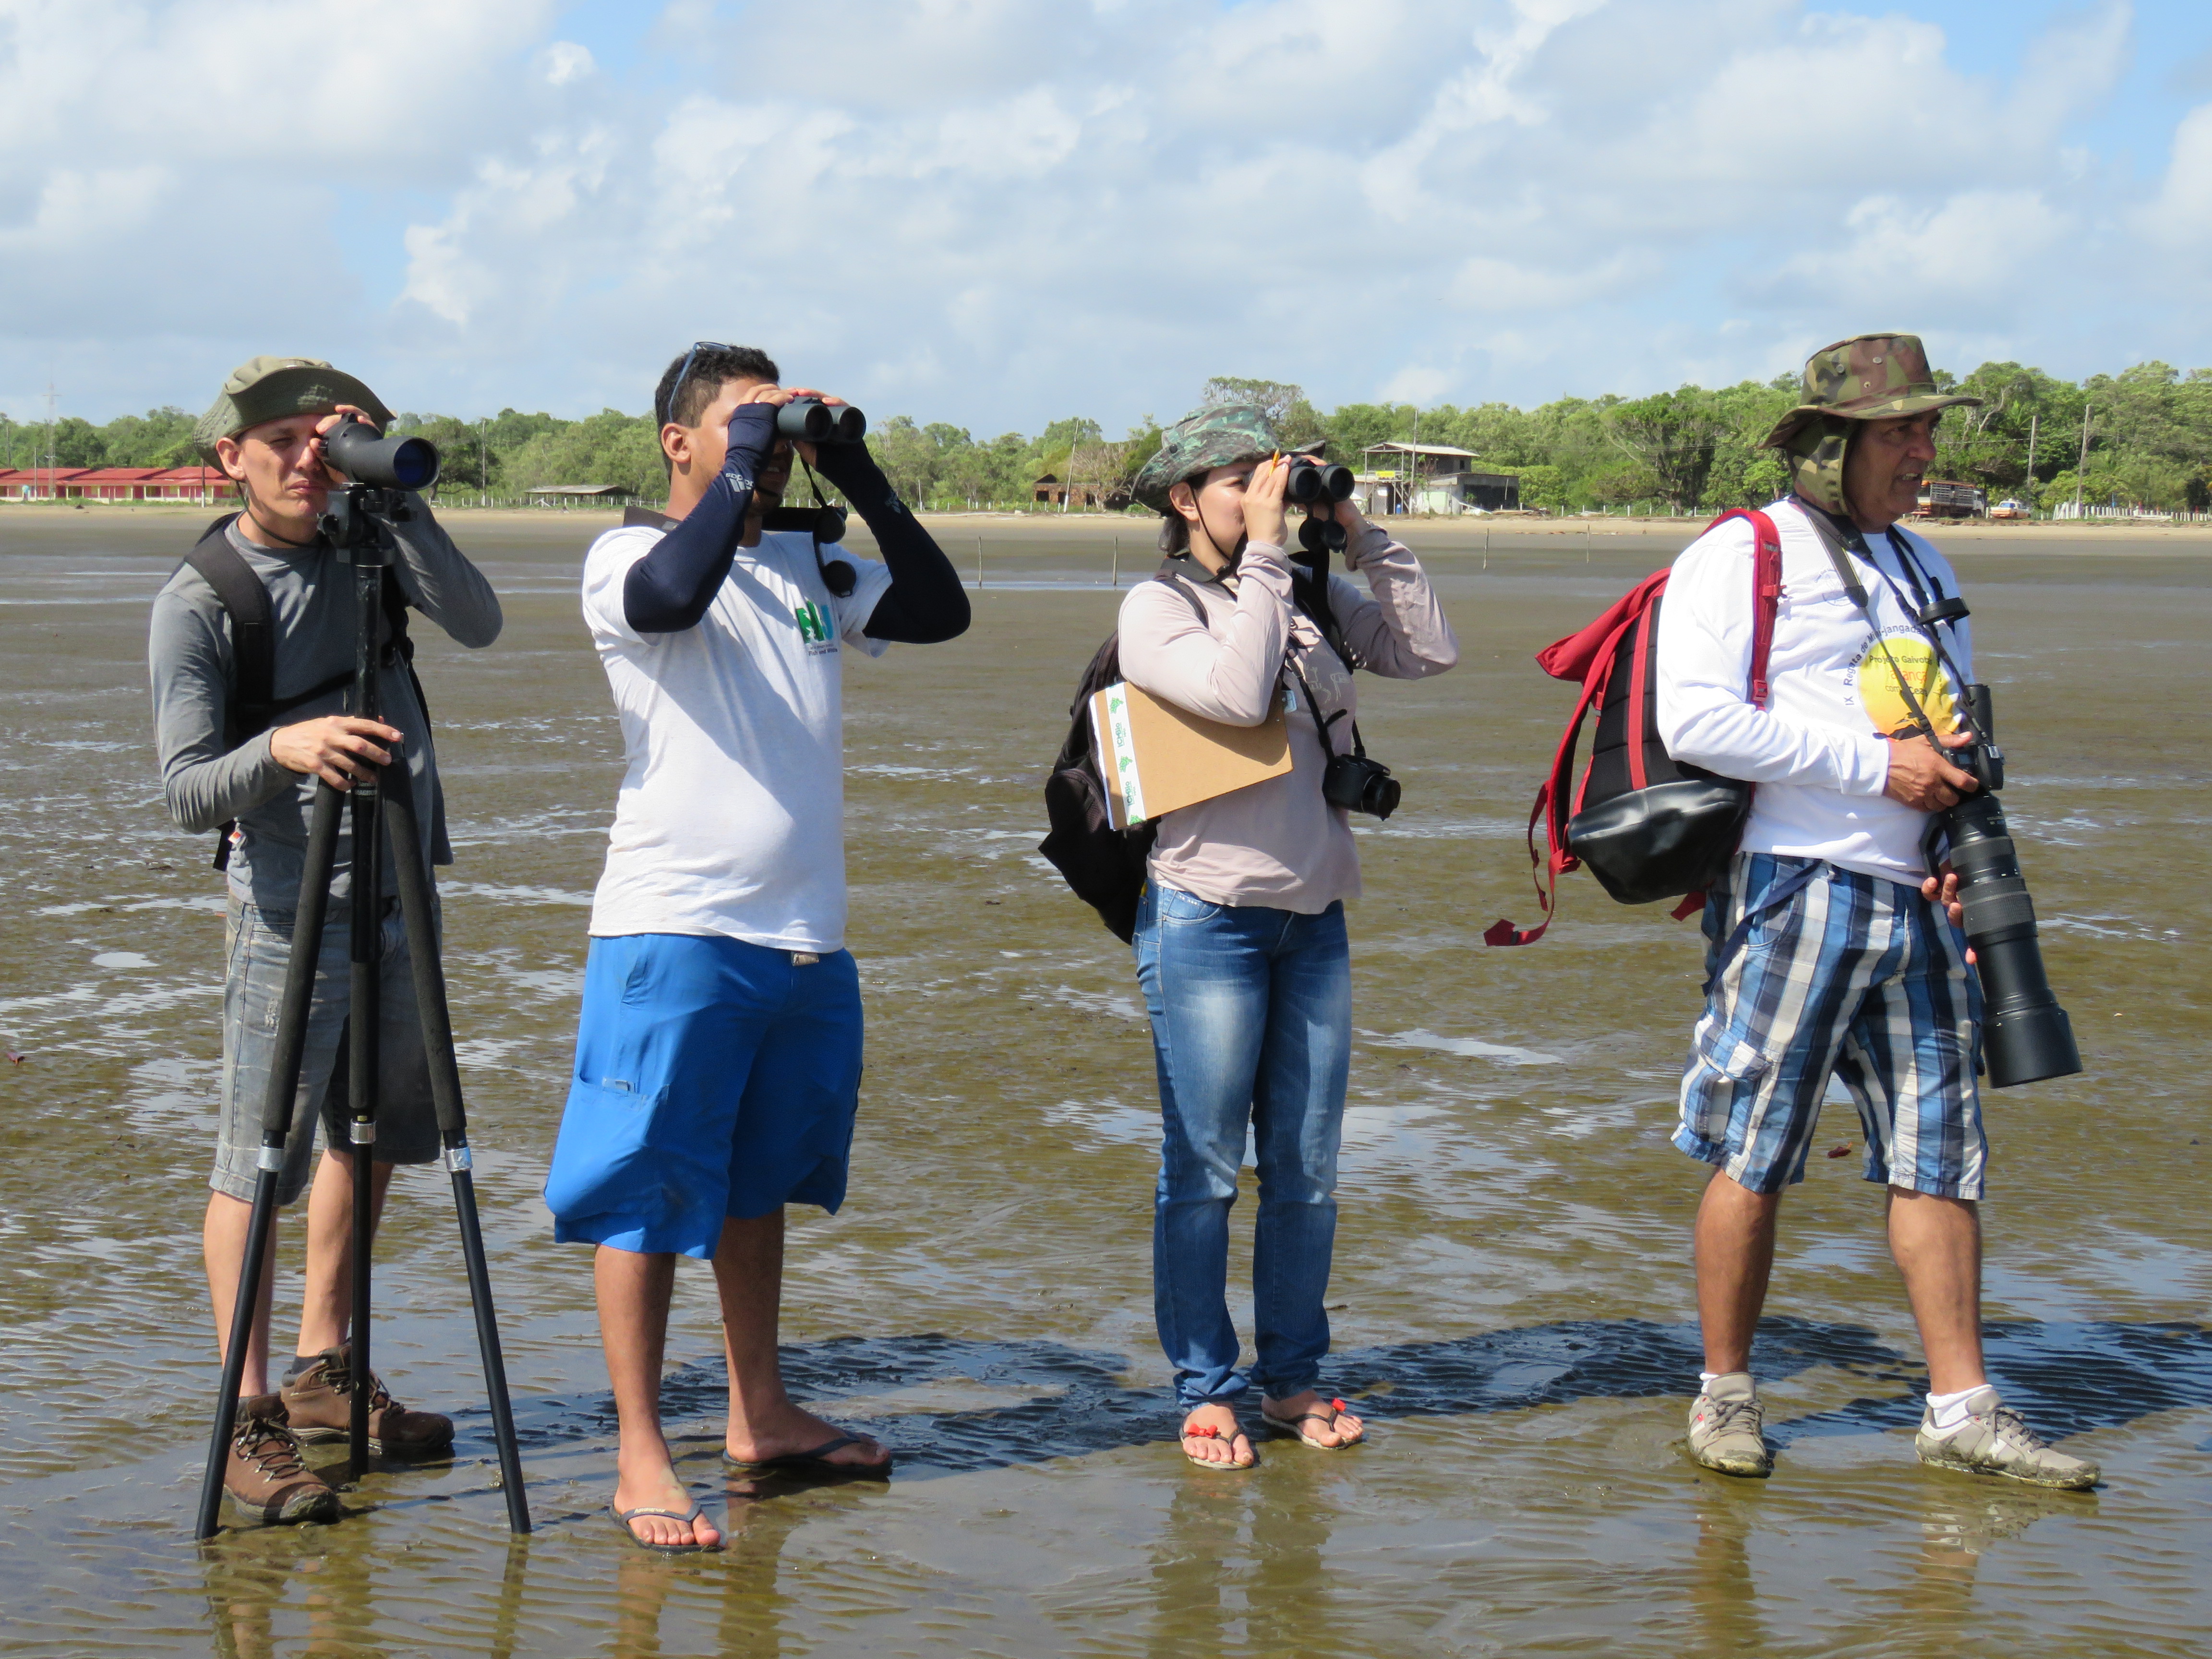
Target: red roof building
[113, 484]
[110, 484]
[37, 483]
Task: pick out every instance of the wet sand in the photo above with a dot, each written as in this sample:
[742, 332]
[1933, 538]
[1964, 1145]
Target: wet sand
[1512, 1298]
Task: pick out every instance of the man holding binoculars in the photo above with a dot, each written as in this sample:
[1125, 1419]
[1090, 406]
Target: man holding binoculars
[1836, 943]
[718, 1054]
[251, 649]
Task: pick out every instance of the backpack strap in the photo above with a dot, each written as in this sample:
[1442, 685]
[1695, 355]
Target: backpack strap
[252, 629]
[1766, 592]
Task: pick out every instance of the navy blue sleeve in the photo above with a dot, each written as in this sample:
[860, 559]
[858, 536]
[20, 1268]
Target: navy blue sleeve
[924, 604]
[670, 588]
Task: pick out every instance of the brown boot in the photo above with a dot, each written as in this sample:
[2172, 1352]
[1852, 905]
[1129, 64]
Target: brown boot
[267, 1473]
[320, 1403]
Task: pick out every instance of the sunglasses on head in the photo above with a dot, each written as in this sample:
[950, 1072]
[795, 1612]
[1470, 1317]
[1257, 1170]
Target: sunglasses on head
[668, 409]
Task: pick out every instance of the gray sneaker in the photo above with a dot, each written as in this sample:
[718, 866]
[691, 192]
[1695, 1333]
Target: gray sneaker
[1725, 1424]
[1993, 1440]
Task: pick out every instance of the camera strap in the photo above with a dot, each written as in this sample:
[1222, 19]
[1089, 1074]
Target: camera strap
[1313, 706]
[1840, 557]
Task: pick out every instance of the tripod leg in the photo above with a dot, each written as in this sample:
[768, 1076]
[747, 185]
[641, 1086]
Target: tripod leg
[365, 1027]
[414, 879]
[275, 1129]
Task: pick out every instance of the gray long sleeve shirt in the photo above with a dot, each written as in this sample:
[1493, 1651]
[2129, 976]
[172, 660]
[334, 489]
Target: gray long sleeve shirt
[206, 782]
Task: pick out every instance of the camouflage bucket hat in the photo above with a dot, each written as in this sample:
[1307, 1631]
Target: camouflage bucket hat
[1200, 442]
[270, 388]
[1875, 377]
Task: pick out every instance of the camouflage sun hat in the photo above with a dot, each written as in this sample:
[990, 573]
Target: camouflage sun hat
[1873, 377]
[1202, 441]
[269, 388]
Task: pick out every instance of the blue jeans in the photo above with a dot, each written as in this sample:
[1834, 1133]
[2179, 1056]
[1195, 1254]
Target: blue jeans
[1251, 1013]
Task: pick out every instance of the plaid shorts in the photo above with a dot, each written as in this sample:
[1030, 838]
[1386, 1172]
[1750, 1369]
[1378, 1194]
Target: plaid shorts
[1812, 971]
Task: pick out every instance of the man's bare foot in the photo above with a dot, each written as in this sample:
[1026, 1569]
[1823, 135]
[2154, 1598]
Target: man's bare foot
[1217, 1438]
[1330, 1424]
[785, 1431]
[653, 1486]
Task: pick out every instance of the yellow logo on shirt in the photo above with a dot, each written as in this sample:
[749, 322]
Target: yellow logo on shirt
[1903, 654]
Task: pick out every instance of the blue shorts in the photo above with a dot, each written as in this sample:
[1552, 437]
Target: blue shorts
[713, 1079]
[1814, 972]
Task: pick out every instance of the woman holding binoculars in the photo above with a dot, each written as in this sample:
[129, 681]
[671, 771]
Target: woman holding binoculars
[1240, 940]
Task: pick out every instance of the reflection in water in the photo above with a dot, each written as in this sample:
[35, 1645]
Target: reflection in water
[1723, 1594]
[290, 1590]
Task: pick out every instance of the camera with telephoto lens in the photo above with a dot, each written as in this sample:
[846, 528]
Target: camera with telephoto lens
[1317, 484]
[2025, 1034]
[816, 423]
[353, 448]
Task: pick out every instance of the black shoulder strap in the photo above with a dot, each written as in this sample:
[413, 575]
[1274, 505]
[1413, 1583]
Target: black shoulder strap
[252, 631]
[1175, 580]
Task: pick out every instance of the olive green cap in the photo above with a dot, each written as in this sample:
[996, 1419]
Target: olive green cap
[270, 388]
[1201, 441]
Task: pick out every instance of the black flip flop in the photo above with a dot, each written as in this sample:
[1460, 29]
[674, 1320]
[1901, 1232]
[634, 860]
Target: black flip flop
[624, 1517]
[817, 1461]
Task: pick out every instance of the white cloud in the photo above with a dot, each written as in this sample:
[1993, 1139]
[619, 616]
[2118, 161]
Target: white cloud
[998, 211]
[566, 61]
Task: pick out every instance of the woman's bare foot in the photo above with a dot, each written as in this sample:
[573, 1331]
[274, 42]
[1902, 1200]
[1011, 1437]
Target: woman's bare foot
[656, 1487]
[1332, 1426]
[1211, 1434]
[783, 1431]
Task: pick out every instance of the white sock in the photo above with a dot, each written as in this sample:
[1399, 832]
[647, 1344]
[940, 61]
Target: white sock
[1948, 1411]
[1706, 1380]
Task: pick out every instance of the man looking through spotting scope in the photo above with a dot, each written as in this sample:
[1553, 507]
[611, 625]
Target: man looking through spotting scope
[1836, 950]
[248, 757]
[718, 1054]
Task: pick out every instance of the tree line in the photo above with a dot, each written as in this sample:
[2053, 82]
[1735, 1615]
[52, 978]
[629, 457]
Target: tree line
[2142, 438]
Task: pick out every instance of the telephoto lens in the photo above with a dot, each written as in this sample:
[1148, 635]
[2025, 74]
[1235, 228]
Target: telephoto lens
[2026, 1035]
[387, 462]
[816, 423]
[1312, 482]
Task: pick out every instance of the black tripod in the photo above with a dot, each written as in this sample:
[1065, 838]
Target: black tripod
[384, 801]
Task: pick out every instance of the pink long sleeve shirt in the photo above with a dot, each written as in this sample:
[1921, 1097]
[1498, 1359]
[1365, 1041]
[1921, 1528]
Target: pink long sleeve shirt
[1278, 843]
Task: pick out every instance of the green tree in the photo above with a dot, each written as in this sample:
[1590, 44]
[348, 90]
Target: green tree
[1671, 437]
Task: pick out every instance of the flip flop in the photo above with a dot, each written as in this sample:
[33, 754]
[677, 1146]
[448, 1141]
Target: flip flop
[624, 1517]
[1328, 1418]
[817, 1461]
[1207, 1431]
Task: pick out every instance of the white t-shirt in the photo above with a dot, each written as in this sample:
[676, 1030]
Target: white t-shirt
[1817, 750]
[732, 815]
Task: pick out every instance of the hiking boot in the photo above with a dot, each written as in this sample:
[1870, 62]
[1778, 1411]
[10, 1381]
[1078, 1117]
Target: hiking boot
[1724, 1427]
[1994, 1440]
[320, 1403]
[266, 1473]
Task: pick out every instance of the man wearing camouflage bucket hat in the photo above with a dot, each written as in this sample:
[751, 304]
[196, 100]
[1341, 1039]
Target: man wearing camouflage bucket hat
[1240, 940]
[247, 758]
[1833, 952]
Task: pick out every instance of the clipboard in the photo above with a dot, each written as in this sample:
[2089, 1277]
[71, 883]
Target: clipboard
[1155, 757]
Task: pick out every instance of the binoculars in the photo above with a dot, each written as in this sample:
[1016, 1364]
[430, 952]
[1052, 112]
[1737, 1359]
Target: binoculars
[386, 462]
[816, 422]
[1317, 484]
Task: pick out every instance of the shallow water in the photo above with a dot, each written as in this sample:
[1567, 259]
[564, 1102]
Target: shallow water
[1512, 1298]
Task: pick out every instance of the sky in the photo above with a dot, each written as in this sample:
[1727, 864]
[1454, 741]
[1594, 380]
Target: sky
[1001, 212]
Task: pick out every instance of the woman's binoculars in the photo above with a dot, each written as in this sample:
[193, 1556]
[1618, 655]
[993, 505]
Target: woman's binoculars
[1317, 484]
[353, 449]
[816, 423]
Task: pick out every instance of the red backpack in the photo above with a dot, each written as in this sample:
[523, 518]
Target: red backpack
[1649, 826]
